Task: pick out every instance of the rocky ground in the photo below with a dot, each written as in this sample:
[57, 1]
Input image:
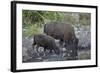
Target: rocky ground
[30, 55]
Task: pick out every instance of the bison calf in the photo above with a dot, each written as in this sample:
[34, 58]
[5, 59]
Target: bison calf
[47, 42]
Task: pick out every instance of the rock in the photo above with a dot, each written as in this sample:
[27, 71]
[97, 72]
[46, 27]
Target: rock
[84, 35]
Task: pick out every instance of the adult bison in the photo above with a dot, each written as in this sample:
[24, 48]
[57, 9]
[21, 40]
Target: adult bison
[62, 31]
[47, 42]
[65, 33]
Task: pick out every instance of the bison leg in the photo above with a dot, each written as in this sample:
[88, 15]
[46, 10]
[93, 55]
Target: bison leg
[71, 50]
[74, 53]
[37, 48]
[34, 47]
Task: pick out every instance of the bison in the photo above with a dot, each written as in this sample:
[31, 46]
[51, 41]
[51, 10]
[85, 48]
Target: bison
[65, 33]
[62, 31]
[47, 42]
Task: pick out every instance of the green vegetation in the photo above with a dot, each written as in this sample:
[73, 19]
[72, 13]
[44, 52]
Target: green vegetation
[33, 21]
[84, 19]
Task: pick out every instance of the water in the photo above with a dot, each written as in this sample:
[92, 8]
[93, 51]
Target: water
[30, 55]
